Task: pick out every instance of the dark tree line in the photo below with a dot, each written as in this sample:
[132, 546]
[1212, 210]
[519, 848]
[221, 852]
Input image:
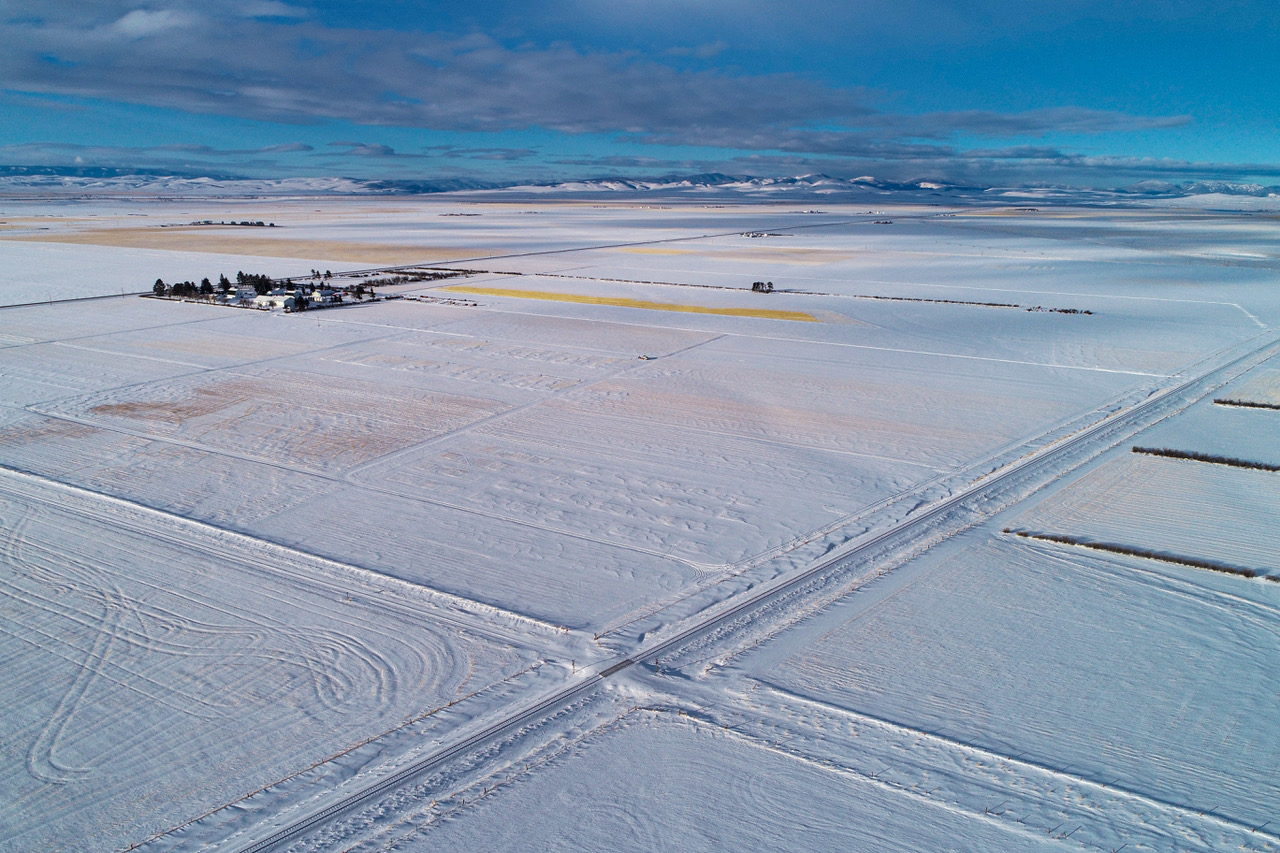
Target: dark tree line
[205, 289]
[260, 283]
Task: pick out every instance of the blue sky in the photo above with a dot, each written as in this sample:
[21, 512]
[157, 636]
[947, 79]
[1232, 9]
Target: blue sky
[1083, 92]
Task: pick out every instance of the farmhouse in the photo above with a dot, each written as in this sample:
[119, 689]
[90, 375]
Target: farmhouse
[276, 299]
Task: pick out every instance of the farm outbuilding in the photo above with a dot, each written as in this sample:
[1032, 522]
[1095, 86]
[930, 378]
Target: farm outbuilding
[275, 299]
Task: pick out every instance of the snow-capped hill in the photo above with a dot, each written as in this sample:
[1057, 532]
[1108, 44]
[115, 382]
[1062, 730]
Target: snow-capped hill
[1228, 188]
[745, 185]
[107, 184]
[626, 184]
[1198, 188]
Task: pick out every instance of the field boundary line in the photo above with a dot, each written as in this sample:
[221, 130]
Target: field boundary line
[873, 720]
[449, 603]
[727, 612]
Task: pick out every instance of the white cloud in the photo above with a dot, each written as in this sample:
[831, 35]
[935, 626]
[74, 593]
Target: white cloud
[272, 9]
[269, 60]
[143, 22]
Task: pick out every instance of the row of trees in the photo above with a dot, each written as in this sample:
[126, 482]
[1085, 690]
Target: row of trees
[260, 283]
[263, 284]
[203, 290]
[188, 289]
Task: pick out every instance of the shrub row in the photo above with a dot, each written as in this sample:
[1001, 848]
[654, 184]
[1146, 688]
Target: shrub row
[259, 223]
[1036, 308]
[1245, 404]
[410, 276]
[1144, 553]
[906, 299]
[1205, 457]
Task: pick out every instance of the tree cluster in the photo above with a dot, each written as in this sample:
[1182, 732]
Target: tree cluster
[206, 288]
[260, 283]
[184, 289]
[259, 223]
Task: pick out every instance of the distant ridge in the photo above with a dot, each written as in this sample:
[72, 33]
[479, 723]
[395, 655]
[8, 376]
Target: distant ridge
[812, 184]
[102, 172]
[18, 181]
[111, 182]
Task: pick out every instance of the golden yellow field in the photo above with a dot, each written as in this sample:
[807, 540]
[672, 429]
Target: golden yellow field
[761, 313]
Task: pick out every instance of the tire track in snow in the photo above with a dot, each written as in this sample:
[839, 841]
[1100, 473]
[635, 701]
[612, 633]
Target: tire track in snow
[42, 760]
[338, 666]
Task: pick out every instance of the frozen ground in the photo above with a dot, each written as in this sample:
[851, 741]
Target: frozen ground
[1149, 680]
[318, 551]
[45, 272]
[658, 781]
[144, 687]
[1186, 508]
[77, 248]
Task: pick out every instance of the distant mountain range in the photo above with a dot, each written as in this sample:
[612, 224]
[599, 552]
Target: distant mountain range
[109, 182]
[714, 182]
[818, 186]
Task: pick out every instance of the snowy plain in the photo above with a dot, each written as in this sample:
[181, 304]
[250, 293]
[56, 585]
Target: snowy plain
[424, 514]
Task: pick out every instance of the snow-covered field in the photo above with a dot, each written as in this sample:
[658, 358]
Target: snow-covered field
[1150, 680]
[241, 544]
[44, 272]
[52, 250]
[1183, 508]
[159, 669]
[658, 781]
[1203, 503]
